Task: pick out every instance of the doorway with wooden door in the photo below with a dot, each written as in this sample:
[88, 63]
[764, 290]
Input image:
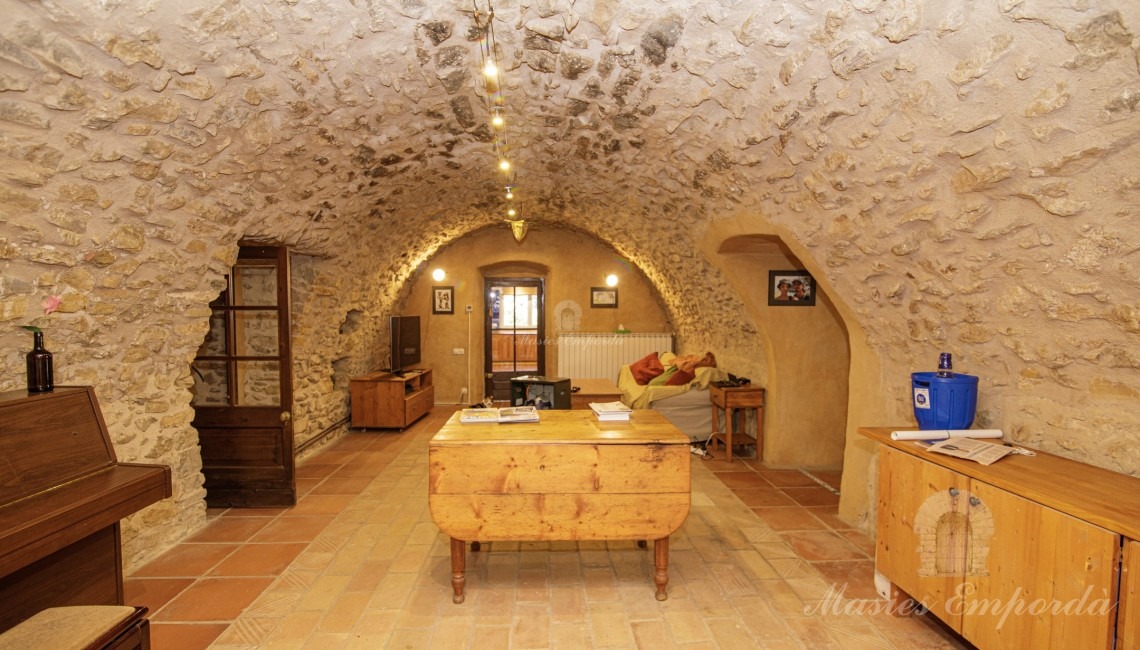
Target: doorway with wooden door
[243, 386]
[514, 326]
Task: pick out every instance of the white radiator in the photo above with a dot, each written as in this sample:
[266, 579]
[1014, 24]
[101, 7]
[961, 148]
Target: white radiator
[600, 356]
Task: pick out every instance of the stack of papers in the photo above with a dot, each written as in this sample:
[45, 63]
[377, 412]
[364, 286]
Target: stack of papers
[610, 410]
[507, 414]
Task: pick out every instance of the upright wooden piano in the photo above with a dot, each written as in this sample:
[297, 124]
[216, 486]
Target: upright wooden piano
[62, 494]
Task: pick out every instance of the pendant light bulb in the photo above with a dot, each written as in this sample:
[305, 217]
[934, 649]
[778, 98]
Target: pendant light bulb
[505, 165]
[497, 120]
[490, 70]
[511, 212]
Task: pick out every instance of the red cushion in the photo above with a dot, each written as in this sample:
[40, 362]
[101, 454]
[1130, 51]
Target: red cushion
[646, 368]
[680, 378]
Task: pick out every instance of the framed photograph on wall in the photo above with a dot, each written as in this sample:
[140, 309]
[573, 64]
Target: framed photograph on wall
[794, 288]
[443, 300]
[603, 297]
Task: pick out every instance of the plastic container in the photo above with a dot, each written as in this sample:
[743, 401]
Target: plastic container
[944, 402]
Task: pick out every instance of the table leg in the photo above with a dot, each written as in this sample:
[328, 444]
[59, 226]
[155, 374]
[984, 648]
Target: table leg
[715, 419]
[661, 566]
[728, 434]
[759, 433]
[458, 568]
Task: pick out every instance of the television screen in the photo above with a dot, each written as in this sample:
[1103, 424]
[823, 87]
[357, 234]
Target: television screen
[405, 342]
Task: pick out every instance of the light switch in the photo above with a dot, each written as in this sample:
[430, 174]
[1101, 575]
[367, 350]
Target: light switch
[457, 351]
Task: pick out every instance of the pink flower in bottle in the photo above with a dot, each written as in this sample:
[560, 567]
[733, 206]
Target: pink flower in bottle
[50, 304]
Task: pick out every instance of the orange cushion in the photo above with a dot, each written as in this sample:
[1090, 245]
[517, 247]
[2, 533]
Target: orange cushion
[690, 362]
[646, 368]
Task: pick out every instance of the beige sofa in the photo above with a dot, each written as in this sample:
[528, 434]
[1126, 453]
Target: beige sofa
[687, 406]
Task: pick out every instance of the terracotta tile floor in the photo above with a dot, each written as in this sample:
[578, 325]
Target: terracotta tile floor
[358, 563]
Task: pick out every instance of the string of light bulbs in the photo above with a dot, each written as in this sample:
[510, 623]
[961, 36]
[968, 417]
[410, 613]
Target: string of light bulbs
[496, 108]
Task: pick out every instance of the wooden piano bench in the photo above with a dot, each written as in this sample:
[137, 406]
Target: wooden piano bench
[82, 627]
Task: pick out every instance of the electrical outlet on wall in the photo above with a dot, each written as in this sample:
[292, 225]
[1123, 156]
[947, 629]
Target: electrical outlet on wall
[457, 351]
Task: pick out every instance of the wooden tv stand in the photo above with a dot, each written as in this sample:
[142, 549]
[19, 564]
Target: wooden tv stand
[383, 400]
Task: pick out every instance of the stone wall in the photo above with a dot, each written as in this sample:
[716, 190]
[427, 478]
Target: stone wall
[959, 176]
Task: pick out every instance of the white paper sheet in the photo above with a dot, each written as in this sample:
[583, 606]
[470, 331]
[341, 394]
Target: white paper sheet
[945, 434]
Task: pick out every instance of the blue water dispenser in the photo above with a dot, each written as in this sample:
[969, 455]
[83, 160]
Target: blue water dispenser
[944, 399]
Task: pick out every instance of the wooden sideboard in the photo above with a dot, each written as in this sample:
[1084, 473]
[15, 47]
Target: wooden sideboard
[62, 494]
[382, 400]
[1029, 552]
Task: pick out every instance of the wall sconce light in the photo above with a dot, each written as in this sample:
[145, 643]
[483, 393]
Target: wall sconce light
[612, 280]
[438, 275]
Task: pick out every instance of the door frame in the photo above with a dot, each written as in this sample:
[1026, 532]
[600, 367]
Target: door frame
[489, 374]
[248, 451]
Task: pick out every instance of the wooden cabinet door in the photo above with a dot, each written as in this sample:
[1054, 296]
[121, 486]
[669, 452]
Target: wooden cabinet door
[1038, 578]
[921, 543]
[243, 386]
[1128, 625]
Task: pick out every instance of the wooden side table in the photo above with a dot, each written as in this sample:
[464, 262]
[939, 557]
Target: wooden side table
[731, 399]
[593, 390]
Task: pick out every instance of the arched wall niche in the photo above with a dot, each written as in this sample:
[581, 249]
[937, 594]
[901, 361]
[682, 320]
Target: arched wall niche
[738, 244]
[806, 347]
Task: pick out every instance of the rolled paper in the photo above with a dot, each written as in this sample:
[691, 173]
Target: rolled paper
[943, 434]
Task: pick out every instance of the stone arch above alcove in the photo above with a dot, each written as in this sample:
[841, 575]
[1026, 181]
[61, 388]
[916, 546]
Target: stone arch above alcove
[567, 316]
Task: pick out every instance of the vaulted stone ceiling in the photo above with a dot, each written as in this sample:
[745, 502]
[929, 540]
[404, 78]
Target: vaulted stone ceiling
[862, 128]
[926, 157]
[955, 173]
[910, 130]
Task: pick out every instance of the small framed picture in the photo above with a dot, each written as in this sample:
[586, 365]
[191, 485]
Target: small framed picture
[603, 297]
[443, 300]
[791, 289]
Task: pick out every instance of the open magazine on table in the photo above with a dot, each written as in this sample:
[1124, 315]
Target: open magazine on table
[505, 414]
[973, 449]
